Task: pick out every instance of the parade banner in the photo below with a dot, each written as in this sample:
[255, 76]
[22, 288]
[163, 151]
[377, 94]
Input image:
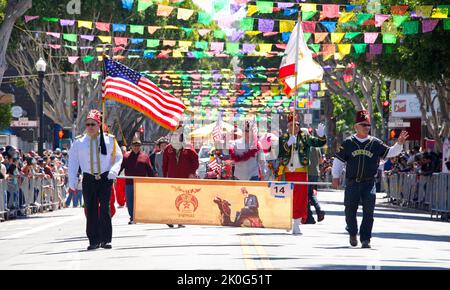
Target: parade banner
[213, 202]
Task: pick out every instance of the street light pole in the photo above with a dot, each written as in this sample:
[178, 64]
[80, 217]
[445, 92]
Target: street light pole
[41, 65]
[386, 120]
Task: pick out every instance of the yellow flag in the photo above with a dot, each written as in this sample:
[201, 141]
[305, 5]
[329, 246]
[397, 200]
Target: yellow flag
[344, 49]
[251, 9]
[265, 47]
[287, 25]
[309, 7]
[184, 43]
[177, 53]
[86, 24]
[346, 17]
[184, 14]
[336, 37]
[252, 33]
[439, 13]
[105, 39]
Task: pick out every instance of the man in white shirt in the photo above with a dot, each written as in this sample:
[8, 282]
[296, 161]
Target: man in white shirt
[99, 157]
[361, 153]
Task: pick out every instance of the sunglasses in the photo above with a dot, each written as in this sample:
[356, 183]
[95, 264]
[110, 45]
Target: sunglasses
[365, 125]
[91, 124]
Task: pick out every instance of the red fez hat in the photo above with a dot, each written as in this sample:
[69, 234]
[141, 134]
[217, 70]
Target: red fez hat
[95, 115]
[362, 116]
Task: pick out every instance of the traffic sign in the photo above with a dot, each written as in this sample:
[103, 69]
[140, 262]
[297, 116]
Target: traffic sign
[24, 122]
[399, 124]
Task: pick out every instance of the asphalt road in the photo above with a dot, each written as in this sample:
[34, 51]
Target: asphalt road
[402, 239]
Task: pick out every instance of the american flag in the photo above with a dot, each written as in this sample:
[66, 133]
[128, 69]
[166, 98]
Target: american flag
[130, 88]
[217, 135]
[213, 165]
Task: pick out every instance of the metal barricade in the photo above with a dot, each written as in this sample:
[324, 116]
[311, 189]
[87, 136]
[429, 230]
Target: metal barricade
[2, 199]
[440, 200]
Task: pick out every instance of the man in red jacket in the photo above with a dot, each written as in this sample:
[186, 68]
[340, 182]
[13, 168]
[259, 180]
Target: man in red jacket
[178, 160]
[136, 163]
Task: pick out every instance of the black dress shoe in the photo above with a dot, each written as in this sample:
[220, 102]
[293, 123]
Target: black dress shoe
[320, 215]
[365, 245]
[170, 225]
[105, 246]
[92, 247]
[310, 221]
[353, 241]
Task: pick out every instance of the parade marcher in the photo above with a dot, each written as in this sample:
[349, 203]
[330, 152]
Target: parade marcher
[248, 157]
[315, 158]
[294, 155]
[361, 154]
[136, 163]
[162, 142]
[120, 184]
[179, 160]
[99, 157]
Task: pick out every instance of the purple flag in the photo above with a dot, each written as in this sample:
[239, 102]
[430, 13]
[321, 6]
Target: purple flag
[285, 5]
[236, 35]
[88, 37]
[67, 22]
[314, 87]
[376, 48]
[429, 25]
[265, 25]
[248, 48]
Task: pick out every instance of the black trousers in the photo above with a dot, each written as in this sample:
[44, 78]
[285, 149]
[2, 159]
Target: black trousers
[356, 193]
[96, 194]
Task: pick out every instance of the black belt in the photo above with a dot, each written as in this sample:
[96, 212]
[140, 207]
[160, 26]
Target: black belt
[366, 179]
[96, 176]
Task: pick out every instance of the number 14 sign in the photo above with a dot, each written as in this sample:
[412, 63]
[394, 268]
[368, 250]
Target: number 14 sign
[281, 189]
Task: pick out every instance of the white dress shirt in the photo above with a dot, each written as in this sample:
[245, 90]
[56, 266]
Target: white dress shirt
[338, 165]
[79, 156]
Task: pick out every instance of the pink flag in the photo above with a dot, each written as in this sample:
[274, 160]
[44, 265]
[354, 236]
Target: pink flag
[370, 37]
[203, 32]
[216, 47]
[54, 34]
[102, 26]
[29, 18]
[380, 18]
[73, 59]
[55, 46]
[120, 40]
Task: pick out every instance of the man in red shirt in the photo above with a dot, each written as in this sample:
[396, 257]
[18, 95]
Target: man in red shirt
[135, 163]
[179, 161]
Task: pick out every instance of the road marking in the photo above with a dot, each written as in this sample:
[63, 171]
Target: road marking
[246, 251]
[262, 253]
[41, 228]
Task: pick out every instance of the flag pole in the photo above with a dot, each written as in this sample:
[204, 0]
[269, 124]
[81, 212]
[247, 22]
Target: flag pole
[297, 45]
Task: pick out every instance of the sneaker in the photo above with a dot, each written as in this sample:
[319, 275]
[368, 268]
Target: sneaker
[92, 247]
[320, 215]
[296, 227]
[131, 222]
[353, 241]
[106, 246]
[181, 226]
[310, 221]
[365, 245]
[170, 225]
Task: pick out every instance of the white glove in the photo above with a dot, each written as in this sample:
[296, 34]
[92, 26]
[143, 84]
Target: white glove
[112, 176]
[320, 130]
[291, 140]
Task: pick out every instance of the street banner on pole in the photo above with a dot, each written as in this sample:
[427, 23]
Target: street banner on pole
[210, 202]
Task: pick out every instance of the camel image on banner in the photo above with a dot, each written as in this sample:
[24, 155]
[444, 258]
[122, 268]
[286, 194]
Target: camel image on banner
[248, 216]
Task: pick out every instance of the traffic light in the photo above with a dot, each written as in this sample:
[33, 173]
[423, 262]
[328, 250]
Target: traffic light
[394, 133]
[386, 106]
[75, 110]
[60, 133]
